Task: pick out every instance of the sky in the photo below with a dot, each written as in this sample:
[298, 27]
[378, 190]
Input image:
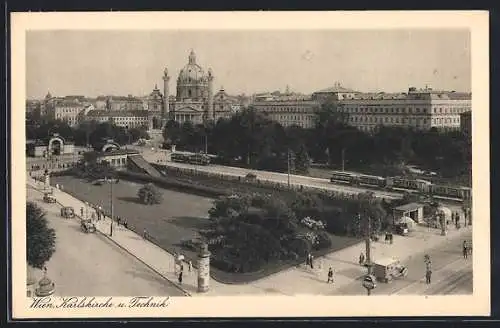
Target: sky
[95, 63]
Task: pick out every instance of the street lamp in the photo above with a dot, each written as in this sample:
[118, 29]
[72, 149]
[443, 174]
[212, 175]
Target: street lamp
[343, 156]
[111, 182]
[368, 255]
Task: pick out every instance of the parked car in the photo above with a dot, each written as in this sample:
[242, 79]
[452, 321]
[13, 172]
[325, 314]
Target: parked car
[49, 198]
[87, 226]
[68, 212]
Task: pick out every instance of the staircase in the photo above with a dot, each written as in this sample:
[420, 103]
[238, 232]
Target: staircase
[139, 162]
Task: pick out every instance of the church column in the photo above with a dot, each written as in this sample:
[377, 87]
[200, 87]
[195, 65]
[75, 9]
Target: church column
[166, 110]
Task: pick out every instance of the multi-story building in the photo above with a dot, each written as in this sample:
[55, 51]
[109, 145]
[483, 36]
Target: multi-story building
[130, 119]
[66, 109]
[420, 109]
[225, 105]
[32, 106]
[288, 109]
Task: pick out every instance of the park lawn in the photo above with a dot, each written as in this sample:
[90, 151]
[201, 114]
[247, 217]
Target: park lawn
[178, 218]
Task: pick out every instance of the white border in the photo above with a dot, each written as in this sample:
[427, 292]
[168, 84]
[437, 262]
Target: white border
[268, 306]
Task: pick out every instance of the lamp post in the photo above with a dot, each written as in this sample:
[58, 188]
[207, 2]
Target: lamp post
[111, 182]
[343, 156]
[368, 251]
[288, 166]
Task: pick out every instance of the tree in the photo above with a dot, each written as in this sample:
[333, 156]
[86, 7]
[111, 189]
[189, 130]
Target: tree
[40, 238]
[368, 208]
[149, 194]
[302, 161]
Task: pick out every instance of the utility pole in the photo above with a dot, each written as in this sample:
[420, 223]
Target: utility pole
[368, 250]
[343, 151]
[288, 166]
[112, 209]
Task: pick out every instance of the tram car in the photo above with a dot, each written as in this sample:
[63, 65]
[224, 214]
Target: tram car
[409, 184]
[190, 158]
[179, 158]
[199, 159]
[451, 191]
[343, 177]
[372, 181]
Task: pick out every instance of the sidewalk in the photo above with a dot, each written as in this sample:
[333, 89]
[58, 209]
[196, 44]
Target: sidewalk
[438, 277]
[293, 281]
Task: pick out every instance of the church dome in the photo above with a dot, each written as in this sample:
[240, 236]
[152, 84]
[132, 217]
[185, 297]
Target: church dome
[192, 72]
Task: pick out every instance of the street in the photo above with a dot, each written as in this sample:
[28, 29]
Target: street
[91, 265]
[452, 274]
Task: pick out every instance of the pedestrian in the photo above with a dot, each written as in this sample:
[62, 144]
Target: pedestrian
[308, 259]
[145, 234]
[93, 216]
[457, 217]
[81, 212]
[180, 277]
[428, 274]
[465, 249]
[190, 266]
[330, 276]
[361, 258]
[125, 223]
[311, 262]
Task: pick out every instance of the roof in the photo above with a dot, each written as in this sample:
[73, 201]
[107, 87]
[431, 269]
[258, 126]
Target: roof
[335, 89]
[124, 113]
[386, 261]
[409, 207]
[118, 152]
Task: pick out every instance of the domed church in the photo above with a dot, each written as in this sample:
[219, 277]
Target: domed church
[193, 100]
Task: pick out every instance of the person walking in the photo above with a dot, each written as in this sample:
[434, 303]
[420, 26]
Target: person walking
[180, 277]
[311, 262]
[145, 234]
[190, 266]
[308, 259]
[428, 275]
[361, 258]
[330, 276]
[465, 249]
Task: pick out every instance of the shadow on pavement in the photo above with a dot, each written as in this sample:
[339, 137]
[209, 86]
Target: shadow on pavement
[189, 222]
[134, 200]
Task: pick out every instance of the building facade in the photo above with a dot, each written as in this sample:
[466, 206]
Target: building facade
[421, 109]
[67, 109]
[130, 119]
[225, 105]
[288, 109]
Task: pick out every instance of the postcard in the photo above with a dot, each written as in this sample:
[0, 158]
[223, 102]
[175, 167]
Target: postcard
[249, 164]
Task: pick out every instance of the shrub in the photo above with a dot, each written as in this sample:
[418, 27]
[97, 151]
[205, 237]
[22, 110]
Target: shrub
[40, 238]
[323, 240]
[149, 194]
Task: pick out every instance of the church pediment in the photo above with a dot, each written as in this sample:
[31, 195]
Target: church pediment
[187, 109]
